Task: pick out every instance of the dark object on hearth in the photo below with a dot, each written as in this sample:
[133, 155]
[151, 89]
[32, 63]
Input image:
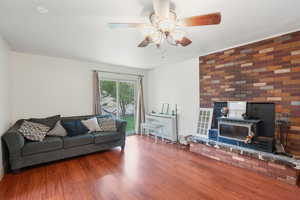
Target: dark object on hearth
[263, 111]
[213, 134]
[217, 113]
[239, 129]
[235, 133]
[265, 144]
[266, 113]
[282, 125]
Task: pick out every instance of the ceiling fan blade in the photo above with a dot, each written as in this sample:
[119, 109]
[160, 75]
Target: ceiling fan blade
[145, 42]
[184, 41]
[161, 8]
[125, 25]
[202, 20]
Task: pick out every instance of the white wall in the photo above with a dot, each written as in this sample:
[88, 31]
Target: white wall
[4, 94]
[44, 86]
[176, 84]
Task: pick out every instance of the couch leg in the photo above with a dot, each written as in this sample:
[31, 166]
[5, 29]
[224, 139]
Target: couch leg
[123, 148]
[16, 171]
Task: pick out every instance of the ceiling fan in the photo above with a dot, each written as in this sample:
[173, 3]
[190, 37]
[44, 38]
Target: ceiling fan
[166, 26]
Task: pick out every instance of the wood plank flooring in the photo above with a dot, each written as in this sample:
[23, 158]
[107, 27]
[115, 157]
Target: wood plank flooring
[146, 170]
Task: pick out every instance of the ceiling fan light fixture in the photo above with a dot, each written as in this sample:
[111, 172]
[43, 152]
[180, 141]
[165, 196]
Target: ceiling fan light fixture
[165, 26]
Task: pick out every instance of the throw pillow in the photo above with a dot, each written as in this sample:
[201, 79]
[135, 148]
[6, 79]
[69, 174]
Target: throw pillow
[107, 124]
[58, 130]
[33, 131]
[91, 124]
[74, 128]
[49, 121]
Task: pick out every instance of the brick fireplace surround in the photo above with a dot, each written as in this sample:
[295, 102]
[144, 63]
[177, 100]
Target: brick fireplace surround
[265, 71]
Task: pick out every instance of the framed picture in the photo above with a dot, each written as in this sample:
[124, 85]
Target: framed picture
[165, 108]
[204, 121]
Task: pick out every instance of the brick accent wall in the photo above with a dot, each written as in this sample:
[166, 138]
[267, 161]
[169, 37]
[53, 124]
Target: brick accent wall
[265, 71]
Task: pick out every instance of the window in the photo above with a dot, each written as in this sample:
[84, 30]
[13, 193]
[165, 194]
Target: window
[118, 97]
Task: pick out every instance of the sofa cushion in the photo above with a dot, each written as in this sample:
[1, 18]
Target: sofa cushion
[58, 130]
[103, 137]
[78, 140]
[48, 144]
[49, 121]
[74, 127]
[33, 131]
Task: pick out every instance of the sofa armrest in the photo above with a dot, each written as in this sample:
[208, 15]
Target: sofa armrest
[14, 140]
[121, 127]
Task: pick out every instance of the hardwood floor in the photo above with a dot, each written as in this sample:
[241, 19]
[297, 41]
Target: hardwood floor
[145, 170]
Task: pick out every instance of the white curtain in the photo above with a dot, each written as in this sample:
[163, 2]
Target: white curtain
[140, 109]
[97, 94]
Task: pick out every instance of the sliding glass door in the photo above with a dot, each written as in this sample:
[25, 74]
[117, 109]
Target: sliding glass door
[118, 98]
[126, 91]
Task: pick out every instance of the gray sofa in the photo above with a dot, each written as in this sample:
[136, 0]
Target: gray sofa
[23, 153]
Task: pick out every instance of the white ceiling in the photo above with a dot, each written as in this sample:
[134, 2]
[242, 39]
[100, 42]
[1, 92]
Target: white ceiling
[77, 28]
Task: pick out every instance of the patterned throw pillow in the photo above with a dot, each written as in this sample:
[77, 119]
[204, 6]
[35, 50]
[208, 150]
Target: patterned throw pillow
[33, 131]
[49, 121]
[107, 124]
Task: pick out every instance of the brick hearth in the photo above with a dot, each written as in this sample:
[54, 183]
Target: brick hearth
[282, 171]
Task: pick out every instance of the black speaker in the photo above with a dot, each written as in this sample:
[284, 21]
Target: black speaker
[264, 112]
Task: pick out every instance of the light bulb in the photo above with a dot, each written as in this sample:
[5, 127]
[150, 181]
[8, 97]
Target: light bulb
[166, 25]
[177, 35]
[156, 37]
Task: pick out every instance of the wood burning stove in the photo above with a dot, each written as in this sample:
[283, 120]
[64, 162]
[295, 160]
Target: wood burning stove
[255, 131]
[239, 129]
